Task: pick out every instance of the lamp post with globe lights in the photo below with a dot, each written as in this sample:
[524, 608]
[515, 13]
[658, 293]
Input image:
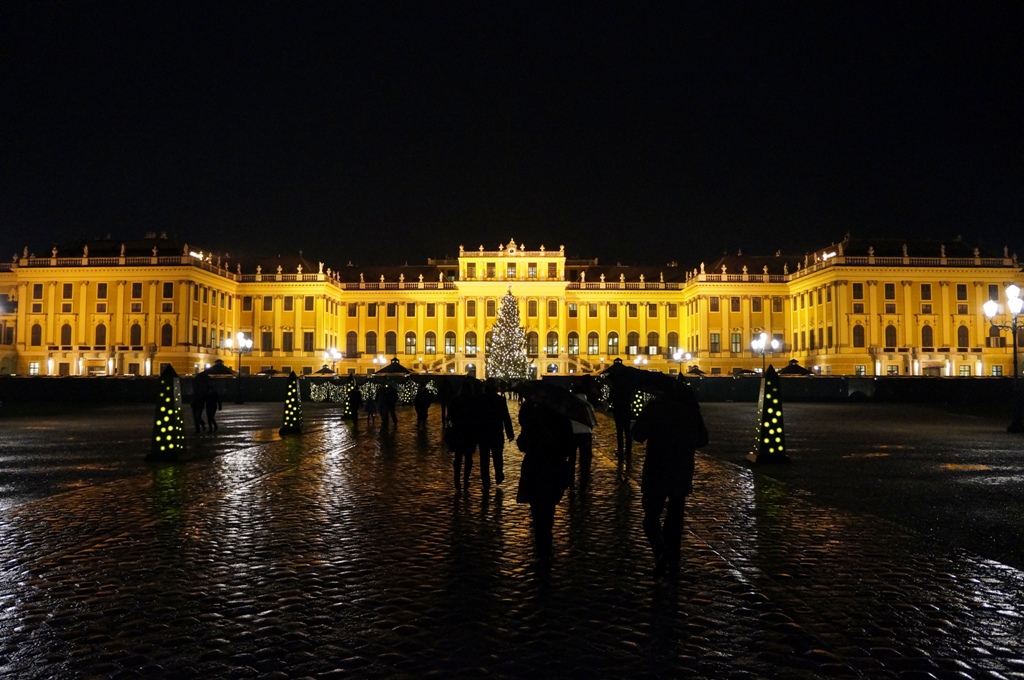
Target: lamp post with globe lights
[239, 345]
[332, 355]
[679, 355]
[761, 345]
[1014, 304]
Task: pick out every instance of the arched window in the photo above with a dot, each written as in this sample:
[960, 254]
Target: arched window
[65, 334]
[410, 343]
[574, 344]
[36, 335]
[351, 344]
[135, 335]
[471, 342]
[449, 343]
[371, 342]
[963, 337]
[430, 343]
[858, 336]
[652, 343]
[552, 343]
[890, 336]
[391, 343]
[633, 343]
[673, 342]
[532, 344]
[101, 335]
[613, 343]
[488, 337]
[166, 335]
[927, 339]
[593, 343]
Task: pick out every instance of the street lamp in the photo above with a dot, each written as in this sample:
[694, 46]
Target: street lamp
[1014, 303]
[332, 355]
[762, 346]
[238, 346]
[679, 355]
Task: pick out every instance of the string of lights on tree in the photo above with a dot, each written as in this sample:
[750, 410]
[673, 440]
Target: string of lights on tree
[506, 353]
[292, 407]
[168, 426]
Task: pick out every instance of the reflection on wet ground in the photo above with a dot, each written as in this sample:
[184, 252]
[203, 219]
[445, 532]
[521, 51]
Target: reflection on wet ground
[345, 552]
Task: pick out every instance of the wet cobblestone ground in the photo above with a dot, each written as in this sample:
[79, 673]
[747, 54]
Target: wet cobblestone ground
[344, 553]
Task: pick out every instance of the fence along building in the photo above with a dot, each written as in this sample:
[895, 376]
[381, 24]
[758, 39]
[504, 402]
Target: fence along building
[871, 307]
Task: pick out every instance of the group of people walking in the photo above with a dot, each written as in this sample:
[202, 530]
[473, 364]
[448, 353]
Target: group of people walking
[205, 399]
[671, 427]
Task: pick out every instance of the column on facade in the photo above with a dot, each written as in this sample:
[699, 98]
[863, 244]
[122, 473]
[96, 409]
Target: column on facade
[51, 319]
[181, 304]
[981, 329]
[120, 315]
[22, 328]
[563, 325]
[873, 339]
[83, 315]
[947, 339]
[911, 330]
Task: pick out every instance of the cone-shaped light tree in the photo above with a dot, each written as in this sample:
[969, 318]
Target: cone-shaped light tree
[168, 425]
[292, 407]
[770, 445]
[506, 354]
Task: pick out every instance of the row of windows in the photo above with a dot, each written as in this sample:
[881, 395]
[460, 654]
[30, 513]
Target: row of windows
[511, 270]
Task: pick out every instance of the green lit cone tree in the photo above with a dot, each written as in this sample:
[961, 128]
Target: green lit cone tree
[506, 352]
[292, 407]
[168, 425]
[770, 445]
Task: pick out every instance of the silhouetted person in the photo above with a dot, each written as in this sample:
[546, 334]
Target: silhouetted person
[546, 440]
[389, 403]
[583, 436]
[622, 396]
[421, 402]
[213, 404]
[495, 427]
[673, 428]
[355, 402]
[446, 391]
[371, 409]
[198, 403]
[463, 430]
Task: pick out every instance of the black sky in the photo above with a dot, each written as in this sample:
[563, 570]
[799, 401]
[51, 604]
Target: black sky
[380, 132]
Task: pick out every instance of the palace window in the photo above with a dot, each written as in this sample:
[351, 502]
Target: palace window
[449, 343]
[673, 342]
[137, 290]
[470, 307]
[166, 335]
[490, 270]
[552, 343]
[963, 337]
[531, 308]
[927, 339]
[286, 341]
[734, 304]
[613, 310]
[755, 304]
[777, 305]
[37, 291]
[267, 341]
[391, 343]
[471, 346]
[247, 303]
[593, 344]
[531, 270]
[307, 341]
[410, 343]
[631, 310]
[391, 309]
[289, 303]
[926, 291]
[552, 270]
[510, 270]
[574, 344]
[633, 343]
[410, 310]
[735, 343]
[101, 291]
[492, 308]
[352, 344]
[573, 310]
[858, 291]
[470, 270]
[613, 343]
[716, 342]
[858, 336]
[135, 335]
[371, 342]
[713, 303]
[430, 343]
[268, 303]
[449, 310]
[431, 310]
[532, 344]
[961, 291]
[552, 309]
[673, 310]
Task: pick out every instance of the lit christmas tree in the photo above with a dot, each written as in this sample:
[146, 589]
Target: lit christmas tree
[292, 407]
[168, 426]
[506, 354]
[770, 445]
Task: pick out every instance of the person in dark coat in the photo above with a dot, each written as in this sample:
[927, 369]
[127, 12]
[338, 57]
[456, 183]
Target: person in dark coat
[673, 428]
[421, 402]
[546, 440]
[446, 391]
[622, 396]
[495, 427]
[198, 404]
[462, 430]
[390, 404]
[213, 404]
[584, 436]
[355, 402]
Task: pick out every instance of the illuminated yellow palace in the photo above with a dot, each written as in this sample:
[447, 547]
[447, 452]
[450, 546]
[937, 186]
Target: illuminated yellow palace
[867, 307]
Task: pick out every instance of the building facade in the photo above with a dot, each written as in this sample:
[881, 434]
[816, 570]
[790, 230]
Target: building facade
[881, 307]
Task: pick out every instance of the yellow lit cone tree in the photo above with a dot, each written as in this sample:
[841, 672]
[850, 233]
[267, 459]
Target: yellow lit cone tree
[770, 446]
[168, 426]
[292, 407]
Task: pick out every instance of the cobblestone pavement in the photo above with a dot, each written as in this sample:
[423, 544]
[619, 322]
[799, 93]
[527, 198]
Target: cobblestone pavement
[348, 554]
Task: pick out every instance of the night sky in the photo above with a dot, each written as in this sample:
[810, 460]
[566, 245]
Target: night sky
[386, 133]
